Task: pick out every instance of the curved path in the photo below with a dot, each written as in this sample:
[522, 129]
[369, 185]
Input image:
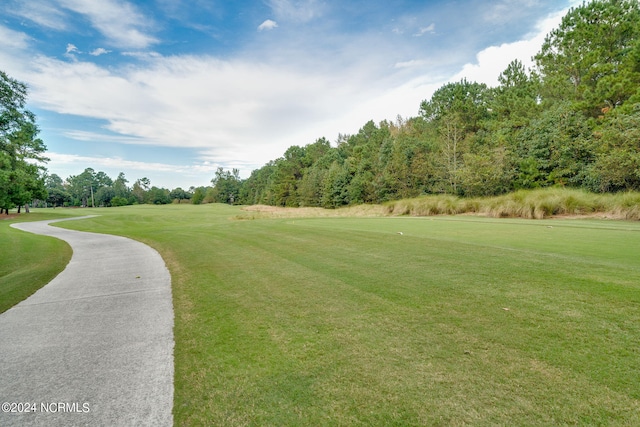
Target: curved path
[95, 345]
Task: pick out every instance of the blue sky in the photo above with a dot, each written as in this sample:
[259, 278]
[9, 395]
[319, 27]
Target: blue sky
[173, 89]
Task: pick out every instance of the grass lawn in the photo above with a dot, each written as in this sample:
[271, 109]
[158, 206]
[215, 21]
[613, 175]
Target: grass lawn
[343, 321]
[28, 261]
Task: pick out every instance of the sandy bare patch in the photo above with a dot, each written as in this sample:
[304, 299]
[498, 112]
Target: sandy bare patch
[594, 215]
[264, 211]
[10, 216]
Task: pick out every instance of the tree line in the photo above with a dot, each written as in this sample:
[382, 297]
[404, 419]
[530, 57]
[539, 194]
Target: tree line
[97, 189]
[573, 120]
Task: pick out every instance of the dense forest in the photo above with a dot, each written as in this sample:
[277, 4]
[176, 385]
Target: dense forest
[572, 121]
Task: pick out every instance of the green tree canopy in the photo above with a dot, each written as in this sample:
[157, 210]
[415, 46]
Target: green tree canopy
[21, 151]
[592, 57]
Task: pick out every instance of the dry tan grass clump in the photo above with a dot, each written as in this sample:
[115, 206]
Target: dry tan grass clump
[264, 211]
[530, 204]
[432, 205]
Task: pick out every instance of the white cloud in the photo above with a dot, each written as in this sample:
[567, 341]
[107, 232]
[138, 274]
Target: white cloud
[297, 11]
[431, 29]
[268, 25]
[80, 135]
[495, 12]
[117, 162]
[492, 61]
[236, 112]
[70, 52]
[42, 12]
[71, 48]
[13, 44]
[13, 39]
[409, 64]
[143, 55]
[118, 21]
[99, 51]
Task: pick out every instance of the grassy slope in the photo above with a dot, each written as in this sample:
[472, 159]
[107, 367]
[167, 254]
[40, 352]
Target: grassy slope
[28, 261]
[342, 321]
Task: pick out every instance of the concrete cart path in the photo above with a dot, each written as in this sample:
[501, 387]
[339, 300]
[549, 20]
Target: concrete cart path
[95, 345]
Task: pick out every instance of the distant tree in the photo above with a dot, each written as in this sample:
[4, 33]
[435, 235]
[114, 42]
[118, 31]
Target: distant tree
[310, 186]
[158, 196]
[257, 189]
[226, 186]
[104, 196]
[467, 101]
[83, 187]
[617, 165]
[486, 173]
[145, 183]
[335, 192]
[557, 148]
[139, 190]
[57, 193]
[210, 195]
[364, 161]
[101, 179]
[198, 195]
[515, 100]
[120, 186]
[456, 110]
[179, 194]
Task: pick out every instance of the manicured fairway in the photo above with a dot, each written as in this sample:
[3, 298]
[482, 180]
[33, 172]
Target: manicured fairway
[343, 321]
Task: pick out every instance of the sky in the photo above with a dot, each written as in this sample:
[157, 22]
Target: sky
[171, 90]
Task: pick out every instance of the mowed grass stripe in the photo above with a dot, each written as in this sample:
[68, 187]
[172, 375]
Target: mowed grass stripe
[566, 301]
[580, 239]
[344, 322]
[276, 243]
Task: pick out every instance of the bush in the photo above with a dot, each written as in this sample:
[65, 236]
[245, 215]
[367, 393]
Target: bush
[119, 201]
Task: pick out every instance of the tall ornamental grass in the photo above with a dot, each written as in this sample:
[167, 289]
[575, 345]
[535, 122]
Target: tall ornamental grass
[530, 204]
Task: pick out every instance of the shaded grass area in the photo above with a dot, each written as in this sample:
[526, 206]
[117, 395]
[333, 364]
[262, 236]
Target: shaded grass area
[528, 204]
[343, 321]
[28, 261]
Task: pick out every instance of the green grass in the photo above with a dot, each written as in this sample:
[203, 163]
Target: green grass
[28, 261]
[343, 321]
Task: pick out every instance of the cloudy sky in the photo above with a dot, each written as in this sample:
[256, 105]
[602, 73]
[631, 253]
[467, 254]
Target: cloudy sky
[172, 89]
